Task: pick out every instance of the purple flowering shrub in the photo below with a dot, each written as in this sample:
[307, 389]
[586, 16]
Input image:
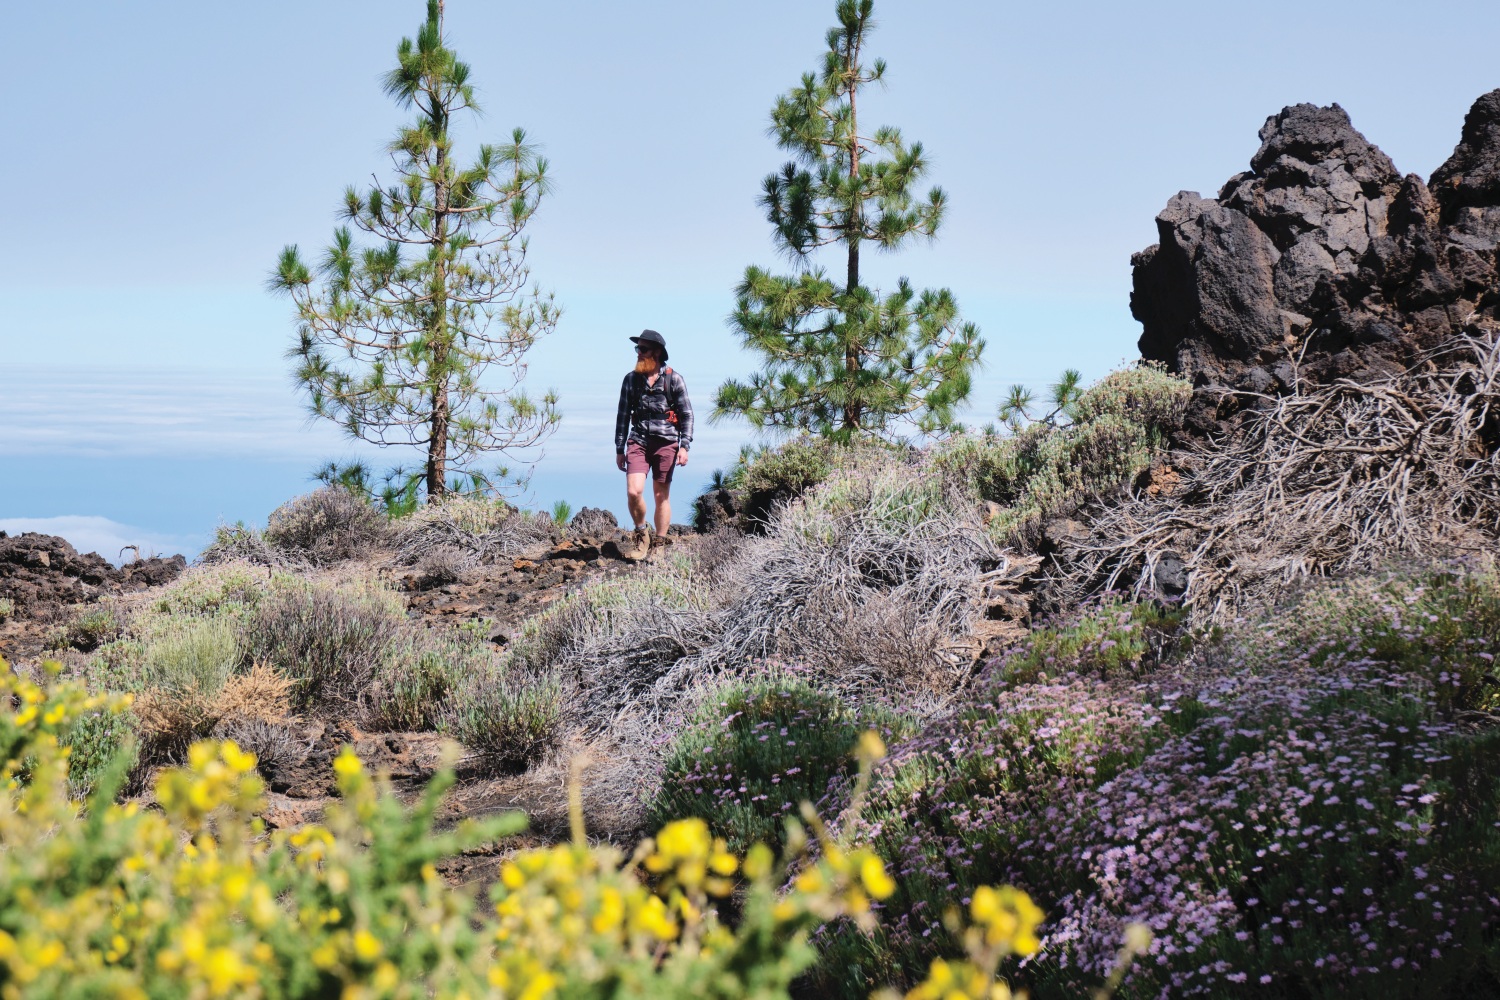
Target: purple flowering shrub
[754, 750]
[1291, 810]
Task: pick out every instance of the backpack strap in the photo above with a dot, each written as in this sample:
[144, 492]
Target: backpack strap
[668, 385]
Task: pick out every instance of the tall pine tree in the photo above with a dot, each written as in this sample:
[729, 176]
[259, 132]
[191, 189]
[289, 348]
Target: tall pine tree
[840, 359]
[394, 336]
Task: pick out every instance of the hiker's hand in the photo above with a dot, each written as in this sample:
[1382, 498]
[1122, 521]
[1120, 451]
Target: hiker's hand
[620, 462]
[681, 457]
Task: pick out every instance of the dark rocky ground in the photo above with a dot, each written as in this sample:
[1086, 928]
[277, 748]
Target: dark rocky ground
[47, 581]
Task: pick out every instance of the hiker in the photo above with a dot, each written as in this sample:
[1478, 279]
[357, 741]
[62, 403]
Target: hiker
[653, 429]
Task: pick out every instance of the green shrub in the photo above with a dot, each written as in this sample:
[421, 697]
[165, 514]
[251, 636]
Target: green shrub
[416, 675]
[7, 609]
[194, 656]
[1116, 638]
[882, 490]
[776, 476]
[330, 640]
[1442, 615]
[230, 589]
[89, 629]
[96, 742]
[1145, 395]
[754, 750]
[562, 513]
[508, 720]
[1045, 470]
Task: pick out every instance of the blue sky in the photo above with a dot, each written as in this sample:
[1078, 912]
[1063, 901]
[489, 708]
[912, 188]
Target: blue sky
[162, 154]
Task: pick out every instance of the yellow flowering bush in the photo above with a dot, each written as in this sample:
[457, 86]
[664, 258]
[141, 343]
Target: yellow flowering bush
[197, 900]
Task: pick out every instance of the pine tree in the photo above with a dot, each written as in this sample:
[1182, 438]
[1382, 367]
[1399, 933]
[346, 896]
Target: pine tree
[842, 360]
[394, 335]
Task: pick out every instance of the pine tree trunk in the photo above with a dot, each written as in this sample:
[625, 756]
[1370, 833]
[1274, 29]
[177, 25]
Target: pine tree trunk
[437, 441]
[853, 410]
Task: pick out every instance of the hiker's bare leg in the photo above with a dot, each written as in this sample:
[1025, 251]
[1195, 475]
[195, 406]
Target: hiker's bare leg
[635, 496]
[663, 507]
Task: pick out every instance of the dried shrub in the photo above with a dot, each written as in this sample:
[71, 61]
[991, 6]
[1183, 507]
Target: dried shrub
[237, 543]
[326, 526]
[1327, 481]
[440, 567]
[713, 554]
[615, 641]
[260, 693]
[329, 639]
[481, 530]
[593, 522]
[279, 746]
[871, 581]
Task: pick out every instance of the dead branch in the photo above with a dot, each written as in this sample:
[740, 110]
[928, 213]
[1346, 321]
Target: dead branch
[1322, 482]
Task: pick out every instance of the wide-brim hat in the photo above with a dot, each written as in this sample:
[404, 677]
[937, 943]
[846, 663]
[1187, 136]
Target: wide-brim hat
[652, 337]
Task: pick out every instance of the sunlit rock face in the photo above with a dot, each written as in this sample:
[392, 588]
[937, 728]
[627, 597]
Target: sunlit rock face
[1321, 261]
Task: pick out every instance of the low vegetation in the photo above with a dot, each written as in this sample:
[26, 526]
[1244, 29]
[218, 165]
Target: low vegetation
[232, 648]
[753, 751]
[194, 900]
[1288, 795]
[1294, 807]
[1094, 446]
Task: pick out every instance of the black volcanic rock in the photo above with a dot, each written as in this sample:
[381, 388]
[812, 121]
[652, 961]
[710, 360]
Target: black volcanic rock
[1321, 261]
[41, 574]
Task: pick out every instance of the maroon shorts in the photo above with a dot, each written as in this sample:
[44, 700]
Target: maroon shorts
[659, 457]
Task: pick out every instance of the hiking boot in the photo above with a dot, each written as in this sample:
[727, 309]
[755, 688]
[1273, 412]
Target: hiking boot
[637, 544]
[657, 541]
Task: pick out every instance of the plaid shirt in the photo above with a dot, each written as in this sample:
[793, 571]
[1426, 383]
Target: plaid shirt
[643, 411]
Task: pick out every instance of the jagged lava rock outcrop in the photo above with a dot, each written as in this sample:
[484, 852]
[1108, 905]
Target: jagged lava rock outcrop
[1321, 261]
[42, 574]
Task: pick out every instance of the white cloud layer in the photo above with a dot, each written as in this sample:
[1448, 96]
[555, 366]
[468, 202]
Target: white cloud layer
[93, 412]
[108, 538]
[55, 410]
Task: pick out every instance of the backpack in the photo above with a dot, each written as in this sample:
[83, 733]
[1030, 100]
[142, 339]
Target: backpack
[666, 373]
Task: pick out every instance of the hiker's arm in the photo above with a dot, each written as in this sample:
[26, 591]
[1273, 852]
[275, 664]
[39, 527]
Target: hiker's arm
[622, 422]
[684, 421]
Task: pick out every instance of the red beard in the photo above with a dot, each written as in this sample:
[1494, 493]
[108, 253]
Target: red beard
[646, 365]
